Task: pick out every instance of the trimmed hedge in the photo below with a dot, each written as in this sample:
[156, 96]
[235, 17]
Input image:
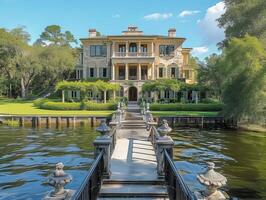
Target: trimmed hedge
[186, 107]
[51, 105]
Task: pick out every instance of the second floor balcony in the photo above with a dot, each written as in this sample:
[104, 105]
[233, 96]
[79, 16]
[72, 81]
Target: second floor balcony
[132, 54]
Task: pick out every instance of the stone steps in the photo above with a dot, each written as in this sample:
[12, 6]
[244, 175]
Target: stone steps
[133, 189]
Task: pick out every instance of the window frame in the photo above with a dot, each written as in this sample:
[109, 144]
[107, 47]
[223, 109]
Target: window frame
[102, 50]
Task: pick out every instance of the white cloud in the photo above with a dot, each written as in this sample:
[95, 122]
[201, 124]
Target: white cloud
[157, 16]
[209, 25]
[116, 16]
[186, 13]
[197, 51]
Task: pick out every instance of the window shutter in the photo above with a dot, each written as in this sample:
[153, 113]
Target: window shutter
[177, 72]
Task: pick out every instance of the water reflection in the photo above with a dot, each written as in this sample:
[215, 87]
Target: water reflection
[28, 156]
[240, 156]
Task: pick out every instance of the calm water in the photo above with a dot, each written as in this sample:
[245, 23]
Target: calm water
[240, 156]
[28, 156]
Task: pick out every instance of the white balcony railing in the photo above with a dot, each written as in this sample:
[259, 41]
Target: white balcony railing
[132, 54]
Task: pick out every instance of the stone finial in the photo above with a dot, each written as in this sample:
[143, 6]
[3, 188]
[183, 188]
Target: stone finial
[164, 129]
[58, 180]
[103, 128]
[213, 180]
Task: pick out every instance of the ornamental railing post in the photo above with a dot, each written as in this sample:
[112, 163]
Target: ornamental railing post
[163, 142]
[213, 181]
[58, 180]
[103, 143]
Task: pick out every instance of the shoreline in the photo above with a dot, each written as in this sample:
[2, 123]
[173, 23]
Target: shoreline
[252, 127]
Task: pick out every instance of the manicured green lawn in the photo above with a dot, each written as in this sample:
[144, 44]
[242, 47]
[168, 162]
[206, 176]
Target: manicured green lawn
[184, 113]
[9, 107]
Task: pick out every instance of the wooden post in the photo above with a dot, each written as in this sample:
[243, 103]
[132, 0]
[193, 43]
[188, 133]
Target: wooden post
[48, 122]
[38, 122]
[67, 122]
[74, 121]
[33, 122]
[58, 122]
[21, 121]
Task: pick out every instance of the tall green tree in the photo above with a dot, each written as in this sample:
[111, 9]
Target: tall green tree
[53, 35]
[211, 74]
[244, 89]
[244, 17]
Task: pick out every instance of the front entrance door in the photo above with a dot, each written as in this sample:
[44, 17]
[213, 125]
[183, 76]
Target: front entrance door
[132, 94]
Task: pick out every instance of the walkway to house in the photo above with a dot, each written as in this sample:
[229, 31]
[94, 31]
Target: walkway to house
[133, 163]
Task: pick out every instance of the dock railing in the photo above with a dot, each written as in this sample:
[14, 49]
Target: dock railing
[163, 146]
[177, 188]
[92, 183]
[100, 169]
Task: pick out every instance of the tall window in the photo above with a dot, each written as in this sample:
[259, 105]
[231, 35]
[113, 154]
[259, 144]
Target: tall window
[166, 50]
[143, 48]
[160, 72]
[122, 48]
[98, 50]
[133, 47]
[104, 72]
[91, 72]
[173, 70]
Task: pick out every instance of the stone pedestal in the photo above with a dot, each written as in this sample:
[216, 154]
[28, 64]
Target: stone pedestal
[104, 143]
[163, 143]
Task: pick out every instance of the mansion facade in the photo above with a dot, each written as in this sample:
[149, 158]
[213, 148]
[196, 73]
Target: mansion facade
[133, 58]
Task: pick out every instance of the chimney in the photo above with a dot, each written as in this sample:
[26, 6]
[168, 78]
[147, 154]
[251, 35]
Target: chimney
[92, 33]
[172, 32]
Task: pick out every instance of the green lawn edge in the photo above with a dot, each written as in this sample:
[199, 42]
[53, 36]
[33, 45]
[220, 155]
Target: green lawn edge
[185, 113]
[26, 108]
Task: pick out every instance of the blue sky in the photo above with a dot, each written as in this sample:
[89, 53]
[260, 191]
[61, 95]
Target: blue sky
[193, 19]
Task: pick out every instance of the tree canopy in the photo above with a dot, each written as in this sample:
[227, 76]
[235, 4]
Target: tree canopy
[244, 17]
[53, 35]
[26, 67]
[244, 87]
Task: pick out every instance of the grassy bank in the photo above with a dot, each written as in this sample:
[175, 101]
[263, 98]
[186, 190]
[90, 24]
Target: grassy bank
[16, 107]
[184, 113]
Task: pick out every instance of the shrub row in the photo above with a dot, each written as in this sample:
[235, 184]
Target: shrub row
[186, 107]
[51, 105]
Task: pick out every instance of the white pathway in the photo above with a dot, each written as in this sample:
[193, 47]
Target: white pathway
[133, 164]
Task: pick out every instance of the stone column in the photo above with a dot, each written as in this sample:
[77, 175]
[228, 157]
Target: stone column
[113, 72]
[127, 47]
[152, 71]
[103, 143]
[139, 71]
[152, 49]
[113, 49]
[163, 143]
[139, 45]
[126, 71]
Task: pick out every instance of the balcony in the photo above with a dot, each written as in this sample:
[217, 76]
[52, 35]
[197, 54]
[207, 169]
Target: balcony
[132, 54]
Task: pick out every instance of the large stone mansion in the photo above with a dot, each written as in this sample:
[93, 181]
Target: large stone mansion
[132, 58]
